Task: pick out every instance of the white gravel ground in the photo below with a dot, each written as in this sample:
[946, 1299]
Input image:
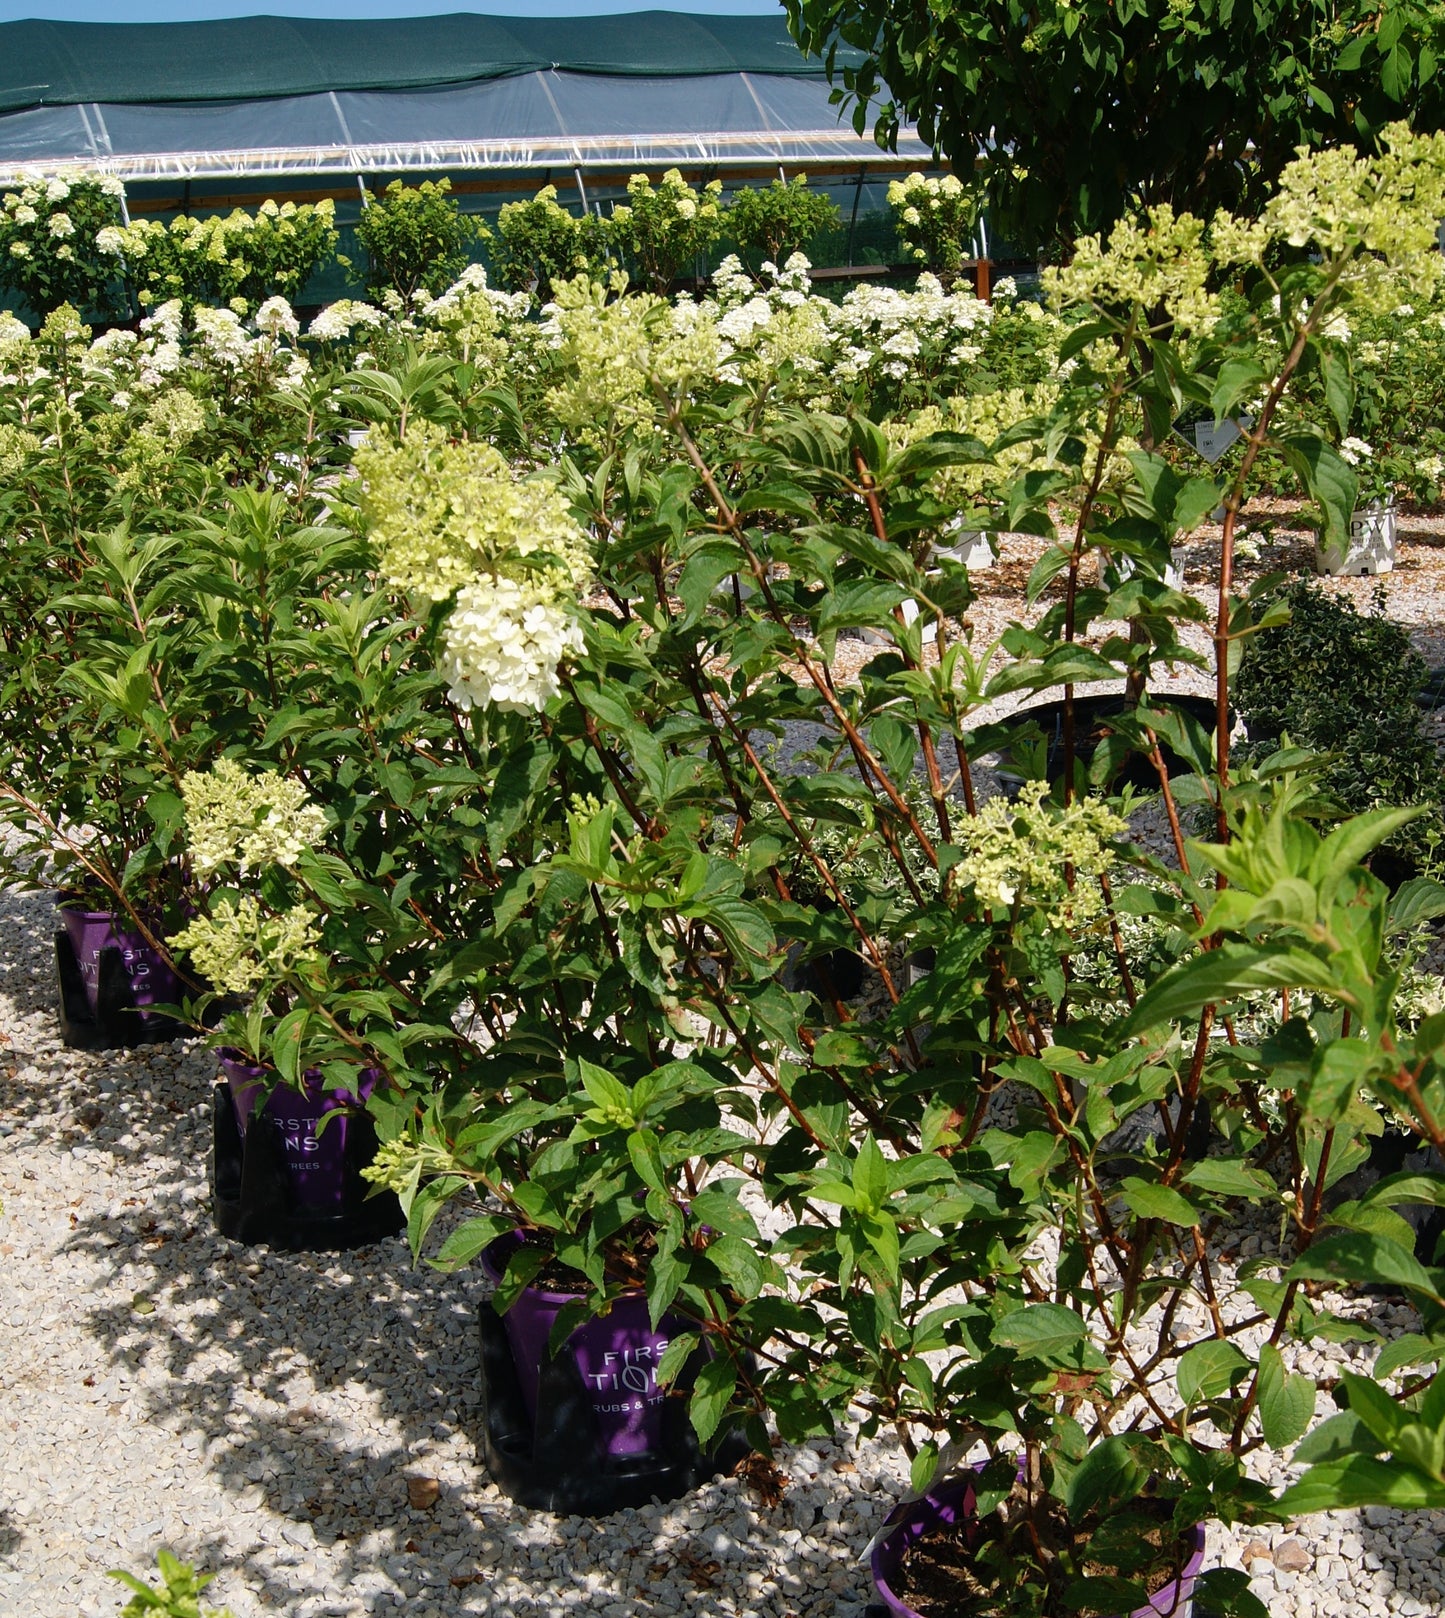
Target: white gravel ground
[261, 1413]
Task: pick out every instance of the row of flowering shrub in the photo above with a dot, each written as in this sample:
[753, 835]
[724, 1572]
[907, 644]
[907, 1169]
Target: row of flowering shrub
[435, 681]
[60, 241]
[63, 240]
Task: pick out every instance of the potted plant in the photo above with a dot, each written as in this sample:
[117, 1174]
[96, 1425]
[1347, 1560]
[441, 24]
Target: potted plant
[771, 223]
[81, 602]
[554, 898]
[149, 624]
[290, 1146]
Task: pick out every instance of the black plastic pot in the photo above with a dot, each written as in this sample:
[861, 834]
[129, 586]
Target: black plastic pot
[1093, 730]
[1395, 1152]
[113, 1020]
[836, 974]
[254, 1201]
[949, 1509]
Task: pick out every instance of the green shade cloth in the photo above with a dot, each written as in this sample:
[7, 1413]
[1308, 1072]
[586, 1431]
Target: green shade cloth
[61, 64]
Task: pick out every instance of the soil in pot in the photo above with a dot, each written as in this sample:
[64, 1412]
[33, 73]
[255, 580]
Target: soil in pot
[927, 1566]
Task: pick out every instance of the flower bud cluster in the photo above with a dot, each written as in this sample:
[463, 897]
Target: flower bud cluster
[626, 360]
[16, 447]
[1020, 856]
[443, 514]
[1157, 264]
[454, 519]
[250, 821]
[240, 948]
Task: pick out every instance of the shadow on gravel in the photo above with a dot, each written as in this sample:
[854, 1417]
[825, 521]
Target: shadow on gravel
[11, 1537]
[1410, 1567]
[27, 974]
[310, 1387]
[30, 1041]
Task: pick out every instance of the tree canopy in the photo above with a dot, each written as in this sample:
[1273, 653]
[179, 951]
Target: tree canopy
[1084, 109]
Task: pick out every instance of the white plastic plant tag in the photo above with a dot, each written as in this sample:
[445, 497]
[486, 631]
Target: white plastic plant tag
[1211, 438]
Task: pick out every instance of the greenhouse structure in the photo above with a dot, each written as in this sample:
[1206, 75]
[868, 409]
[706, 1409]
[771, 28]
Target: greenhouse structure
[196, 117]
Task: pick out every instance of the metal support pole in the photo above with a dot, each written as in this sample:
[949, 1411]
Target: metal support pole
[853, 222]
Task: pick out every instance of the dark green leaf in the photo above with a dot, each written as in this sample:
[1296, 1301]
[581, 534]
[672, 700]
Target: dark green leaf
[710, 1396]
[1041, 1330]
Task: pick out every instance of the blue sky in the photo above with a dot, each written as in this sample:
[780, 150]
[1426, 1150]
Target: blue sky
[199, 10]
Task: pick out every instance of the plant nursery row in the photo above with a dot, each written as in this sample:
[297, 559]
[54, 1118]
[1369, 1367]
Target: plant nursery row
[539, 740]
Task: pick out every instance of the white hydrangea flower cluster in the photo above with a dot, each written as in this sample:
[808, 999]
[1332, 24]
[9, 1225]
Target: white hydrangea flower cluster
[113, 347]
[223, 337]
[764, 328]
[731, 283]
[338, 320]
[165, 322]
[1355, 450]
[220, 343]
[276, 318]
[881, 331]
[454, 519]
[471, 319]
[502, 644]
[1019, 852]
[250, 821]
[240, 949]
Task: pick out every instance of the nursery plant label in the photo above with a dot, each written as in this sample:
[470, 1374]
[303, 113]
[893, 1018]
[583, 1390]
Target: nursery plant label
[298, 1140]
[629, 1373]
[1210, 439]
[619, 1371]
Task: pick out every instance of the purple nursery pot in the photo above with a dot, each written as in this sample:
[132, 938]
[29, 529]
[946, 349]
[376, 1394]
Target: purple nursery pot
[951, 1503]
[616, 1355]
[151, 975]
[313, 1160]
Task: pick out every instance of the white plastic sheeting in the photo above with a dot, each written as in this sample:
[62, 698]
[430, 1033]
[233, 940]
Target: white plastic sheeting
[541, 120]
